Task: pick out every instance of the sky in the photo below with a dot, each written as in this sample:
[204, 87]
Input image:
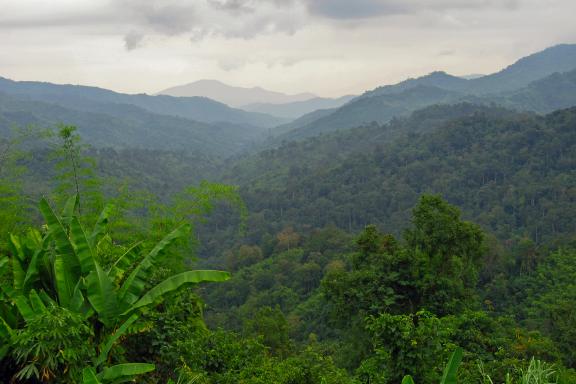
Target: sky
[327, 47]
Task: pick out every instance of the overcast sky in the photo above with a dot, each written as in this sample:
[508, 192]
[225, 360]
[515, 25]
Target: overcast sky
[328, 47]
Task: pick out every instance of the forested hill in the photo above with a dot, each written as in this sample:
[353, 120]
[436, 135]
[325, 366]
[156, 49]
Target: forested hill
[557, 59]
[511, 172]
[128, 126]
[542, 82]
[95, 99]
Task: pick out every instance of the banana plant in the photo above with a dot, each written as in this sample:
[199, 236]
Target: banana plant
[60, 268]
[450, 371]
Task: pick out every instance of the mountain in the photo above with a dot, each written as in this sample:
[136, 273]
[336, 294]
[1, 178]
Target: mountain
[298, 108]
[556, 91]
[128, 126]
[528, 84]
[379, 109]
[438, 79]
[559, 58]
[97, 99]
[233, 96]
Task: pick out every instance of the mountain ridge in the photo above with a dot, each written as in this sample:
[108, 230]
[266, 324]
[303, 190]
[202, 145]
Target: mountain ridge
[232, 95]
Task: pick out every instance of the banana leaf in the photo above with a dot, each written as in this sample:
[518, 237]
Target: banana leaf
[451, 370]
[135, 284]
[125, 371]
[173, 283]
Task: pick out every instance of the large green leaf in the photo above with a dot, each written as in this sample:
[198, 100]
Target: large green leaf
[18, 258]
[5, 329]
[69, 266]
[125, 261]
[16, 247]
[134, 285]
[78, 302]
[89, 376]
[33, 270]
[36, 303]
[101, 224]
[4, 264]
[102, 295]
[24, 308]
[174, 283]
[407, 380]
[70, 208]
[451, 370]
[66, 279]
[56, 229]
[82, 247]
[109, 342]
[127, 371]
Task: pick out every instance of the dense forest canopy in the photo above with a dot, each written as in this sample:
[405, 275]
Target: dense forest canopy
[423, 232]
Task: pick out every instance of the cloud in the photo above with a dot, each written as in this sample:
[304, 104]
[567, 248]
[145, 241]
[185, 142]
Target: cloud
[169, 18]
[365, 9]
[357, 9]
[133, 40]
[234, 6]
[198, 20]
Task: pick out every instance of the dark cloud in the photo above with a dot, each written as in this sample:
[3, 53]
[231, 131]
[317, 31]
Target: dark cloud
[235, 6]
[355, 9]
[245, 19]
[133, 40]
[364, 9]
[165, 17]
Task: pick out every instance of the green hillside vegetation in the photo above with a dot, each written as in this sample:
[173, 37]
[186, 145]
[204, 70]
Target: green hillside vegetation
[510, 172]
[92, 98]
[127, 126]
[546, 95]
[421, 234]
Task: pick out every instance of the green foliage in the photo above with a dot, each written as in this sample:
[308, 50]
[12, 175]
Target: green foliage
[76, 172]
[13, 206]
[550, 297]
[508, 172]
[271, 325]
[450, 371]
[60, 269]
[538, 372]
[409, 343]
[54, 344]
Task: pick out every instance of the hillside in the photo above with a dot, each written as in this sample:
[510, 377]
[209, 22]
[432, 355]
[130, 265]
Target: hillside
[541, 82]
[553, 92]
[379, 109]
[128, 126]
[476, 157]
[96, 99]
[559, 58]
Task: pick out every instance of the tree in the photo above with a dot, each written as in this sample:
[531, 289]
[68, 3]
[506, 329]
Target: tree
[450, 250]
[76, 172]
[58, 273]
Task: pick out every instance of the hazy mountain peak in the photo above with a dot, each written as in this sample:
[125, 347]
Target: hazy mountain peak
[232, 95]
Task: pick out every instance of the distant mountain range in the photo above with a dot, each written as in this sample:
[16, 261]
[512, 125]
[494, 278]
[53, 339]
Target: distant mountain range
[540, 82]
[106, 118]
[92, 98]
[234, 96]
